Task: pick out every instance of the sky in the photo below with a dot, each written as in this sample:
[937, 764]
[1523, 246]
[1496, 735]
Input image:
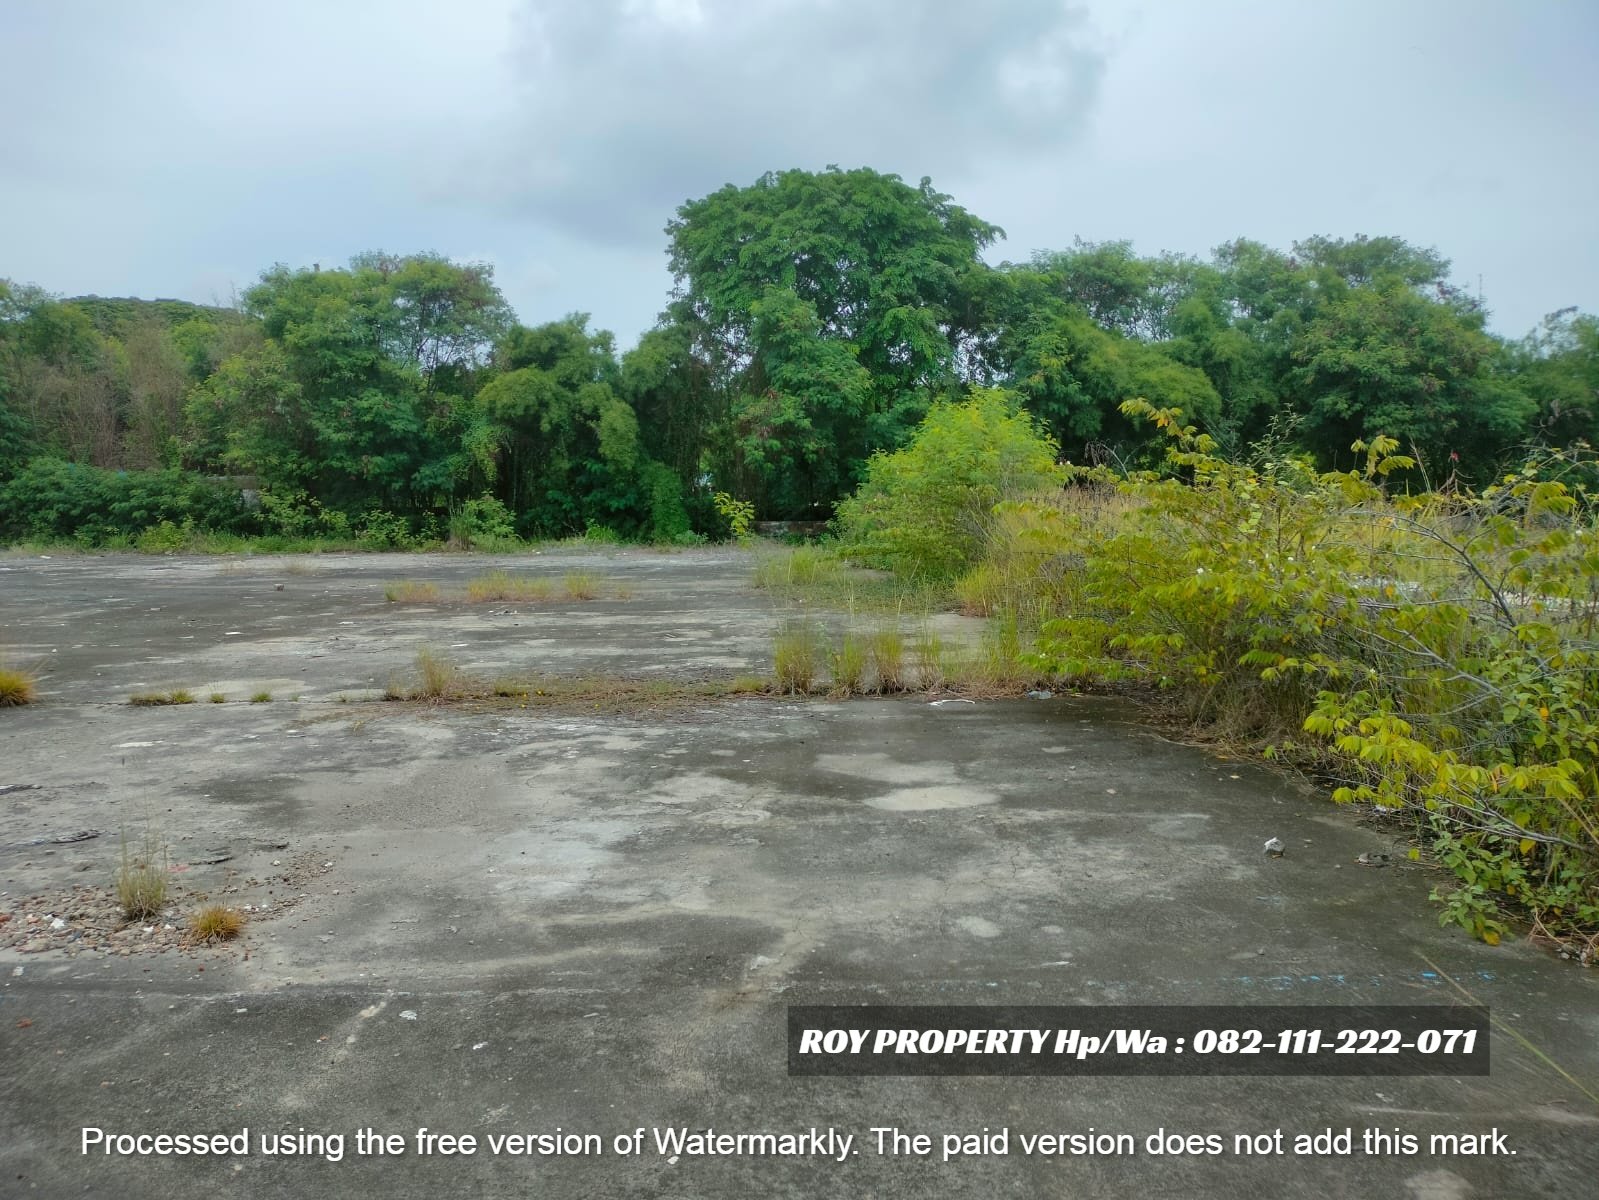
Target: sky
[178, 148]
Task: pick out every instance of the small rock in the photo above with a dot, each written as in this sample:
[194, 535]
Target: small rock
[1040, 694]
[408, 1015]
[1275, 848]
[58, 923]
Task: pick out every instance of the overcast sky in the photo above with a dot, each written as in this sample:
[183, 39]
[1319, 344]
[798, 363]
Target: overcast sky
[178, 147]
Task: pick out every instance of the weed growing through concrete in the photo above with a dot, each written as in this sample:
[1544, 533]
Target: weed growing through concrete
[142, 878]
[161, 699]
[438, 677]
[796, 658]
[501, 586]
[581, 585]
[217, 698]
[261, 698]
[888, 659]
[930, 661]
[846, 664]
[216, 923]
[16, 688]
[409, 591]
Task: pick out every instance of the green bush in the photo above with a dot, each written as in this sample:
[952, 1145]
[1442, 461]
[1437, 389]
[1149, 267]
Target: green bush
[50, 500]
[482, 521]
[928, 508]
[1439, 651]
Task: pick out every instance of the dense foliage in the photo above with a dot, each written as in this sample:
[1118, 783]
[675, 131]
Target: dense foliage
[817, 317]
[1435, 654]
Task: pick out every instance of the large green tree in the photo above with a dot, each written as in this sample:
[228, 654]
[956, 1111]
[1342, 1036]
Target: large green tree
[834, 304]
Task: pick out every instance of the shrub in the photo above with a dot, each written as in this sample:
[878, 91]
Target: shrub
[481, 520]
[161, 539]
[382, 530]
[927, 509]
[50, 500]
[739, 515]
[1439, 651]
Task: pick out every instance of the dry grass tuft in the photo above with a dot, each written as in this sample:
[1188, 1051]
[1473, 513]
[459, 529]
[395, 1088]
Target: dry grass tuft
[16, 688]
[439, 677]
[216, 923]
[501, 585]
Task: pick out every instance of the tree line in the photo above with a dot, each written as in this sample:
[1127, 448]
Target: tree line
[815, 318]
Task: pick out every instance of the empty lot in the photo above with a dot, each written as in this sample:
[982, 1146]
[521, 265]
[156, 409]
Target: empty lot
[489, 918]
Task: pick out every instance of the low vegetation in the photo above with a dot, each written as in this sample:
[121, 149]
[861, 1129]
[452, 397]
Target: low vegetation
[216, 923]
[1432, 654]
[410, 591]
[17, 687]
[142, 878]
[161, 699]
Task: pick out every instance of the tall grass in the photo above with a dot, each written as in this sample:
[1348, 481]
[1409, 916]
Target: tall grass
[503, 586]
[797, 658]
[142, 877]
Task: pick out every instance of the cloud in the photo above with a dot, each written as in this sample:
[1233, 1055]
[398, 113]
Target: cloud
[624, 109]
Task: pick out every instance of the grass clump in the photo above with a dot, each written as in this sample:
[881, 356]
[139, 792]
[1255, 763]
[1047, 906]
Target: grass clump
[888, 660]
[796, 658]
[161, 699]
[410, 591]
[216, 923]
[438, 679]
[261, 698]
[16, 688]
[142, 878]
[217, 698]
[502, 586]
[581, 585]
[846, 664]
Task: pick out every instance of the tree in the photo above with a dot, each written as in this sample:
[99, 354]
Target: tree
[1384, 359]
[833, 305]
[1558, 366]
[1074, 374]
[565, 444]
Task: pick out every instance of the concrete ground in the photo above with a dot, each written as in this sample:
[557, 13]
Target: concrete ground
[489, 919]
